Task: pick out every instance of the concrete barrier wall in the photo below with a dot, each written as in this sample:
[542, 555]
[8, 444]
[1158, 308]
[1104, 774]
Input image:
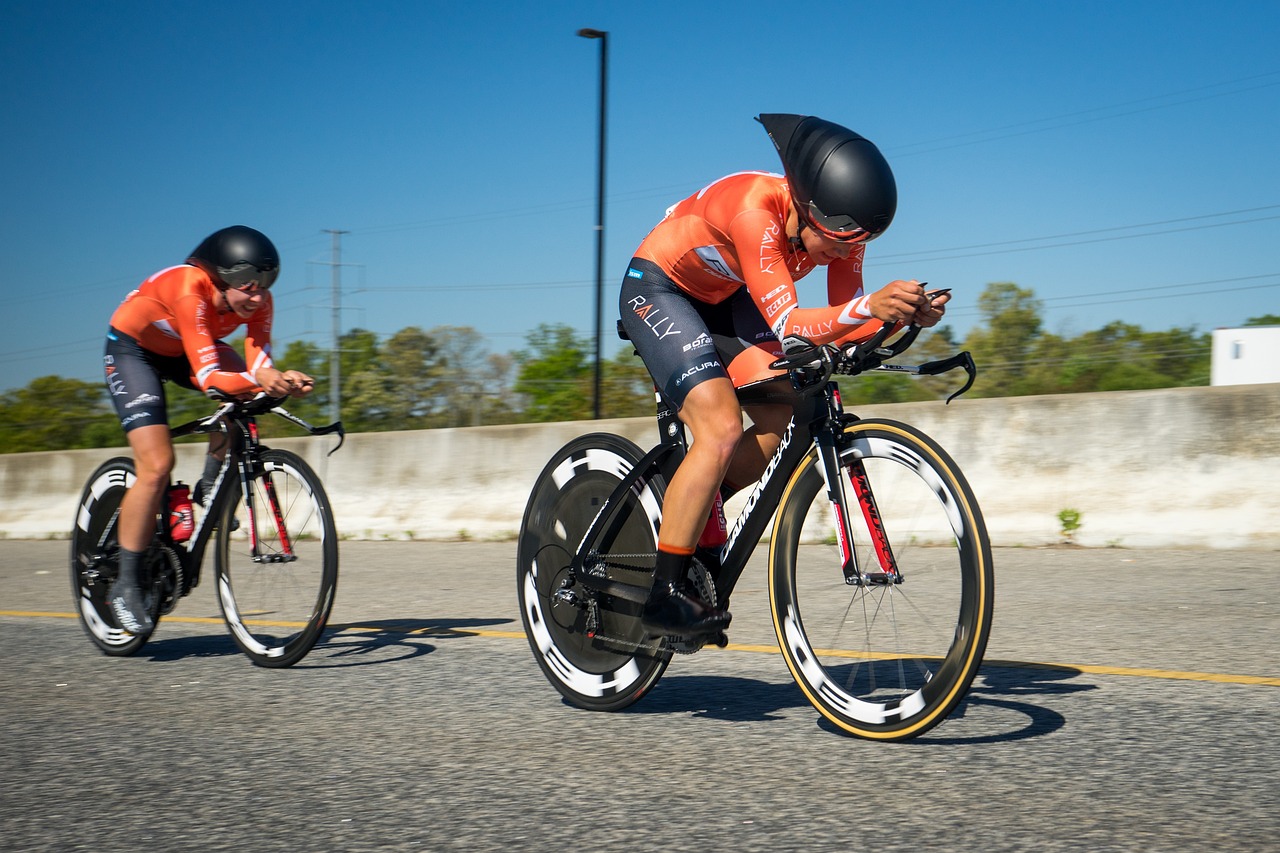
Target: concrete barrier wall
[1186, 467]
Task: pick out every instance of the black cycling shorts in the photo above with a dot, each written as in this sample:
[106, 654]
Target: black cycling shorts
[136, 377]
[683, 341]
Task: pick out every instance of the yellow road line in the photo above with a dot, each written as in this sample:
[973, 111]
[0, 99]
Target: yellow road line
[441, 630]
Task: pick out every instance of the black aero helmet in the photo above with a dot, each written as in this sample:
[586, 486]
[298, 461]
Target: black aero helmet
[238, 257]
[840, 182]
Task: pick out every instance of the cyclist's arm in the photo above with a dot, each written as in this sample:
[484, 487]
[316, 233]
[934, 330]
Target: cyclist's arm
[760, 241]
[257, 344]
[191, 315]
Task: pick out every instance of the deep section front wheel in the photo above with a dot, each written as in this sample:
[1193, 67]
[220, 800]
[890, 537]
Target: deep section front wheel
[886, 651]
[589, 643]
[94, 554]
[277, 561]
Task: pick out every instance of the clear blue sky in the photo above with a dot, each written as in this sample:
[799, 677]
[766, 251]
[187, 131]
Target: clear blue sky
[1118, 158]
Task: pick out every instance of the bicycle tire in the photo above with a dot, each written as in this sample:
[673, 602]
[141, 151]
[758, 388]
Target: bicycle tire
[592, 650]
[276, 605]
[94, 551]
[884, 661]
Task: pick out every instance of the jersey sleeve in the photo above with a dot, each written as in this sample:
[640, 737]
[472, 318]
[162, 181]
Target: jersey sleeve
[192, 315]
[257, 339]
[760, 240]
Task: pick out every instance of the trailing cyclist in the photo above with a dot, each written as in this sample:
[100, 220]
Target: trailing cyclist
[709, 301]
[170, 329]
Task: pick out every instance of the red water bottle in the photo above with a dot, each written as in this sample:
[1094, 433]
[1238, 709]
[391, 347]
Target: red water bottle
[716, 531]
[181, 518]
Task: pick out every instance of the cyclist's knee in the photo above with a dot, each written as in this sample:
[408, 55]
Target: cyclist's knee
[153, 456]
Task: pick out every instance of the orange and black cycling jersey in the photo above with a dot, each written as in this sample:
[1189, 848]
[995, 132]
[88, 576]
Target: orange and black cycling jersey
[732, 234]
[179, 311]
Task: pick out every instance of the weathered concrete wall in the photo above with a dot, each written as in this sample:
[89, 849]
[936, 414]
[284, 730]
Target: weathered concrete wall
[1187, 467]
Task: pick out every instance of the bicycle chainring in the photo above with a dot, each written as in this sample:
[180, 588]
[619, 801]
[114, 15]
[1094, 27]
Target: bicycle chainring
[700, 581]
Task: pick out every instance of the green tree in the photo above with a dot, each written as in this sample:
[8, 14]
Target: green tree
[554, 375]
[55, 413]
[1004, 346]
[471, 380]
[626, 388]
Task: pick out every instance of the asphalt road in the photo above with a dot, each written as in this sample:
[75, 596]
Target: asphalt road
[1129, 702]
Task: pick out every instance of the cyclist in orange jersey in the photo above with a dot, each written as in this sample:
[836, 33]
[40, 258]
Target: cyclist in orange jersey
[709, 300]
[170, 329]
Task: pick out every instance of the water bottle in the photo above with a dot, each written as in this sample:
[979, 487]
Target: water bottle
[181, 518]
[716, 531]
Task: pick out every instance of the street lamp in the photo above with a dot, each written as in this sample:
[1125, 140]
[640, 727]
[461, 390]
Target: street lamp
[603, 36]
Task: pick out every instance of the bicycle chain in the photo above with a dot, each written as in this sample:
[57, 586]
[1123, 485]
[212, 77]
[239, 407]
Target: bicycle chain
[703, 585]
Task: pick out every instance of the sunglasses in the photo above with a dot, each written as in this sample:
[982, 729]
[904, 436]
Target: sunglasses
[854, 233]
[249, 278]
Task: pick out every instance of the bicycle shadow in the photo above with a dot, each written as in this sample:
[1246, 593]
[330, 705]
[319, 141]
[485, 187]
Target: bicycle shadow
[170, 649]
[363, 643]
[729, 698]
[996, 680]
[373, 642]
[1004, 685]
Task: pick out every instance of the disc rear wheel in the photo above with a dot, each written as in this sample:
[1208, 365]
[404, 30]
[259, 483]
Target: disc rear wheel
[589, 643]
[94, 555]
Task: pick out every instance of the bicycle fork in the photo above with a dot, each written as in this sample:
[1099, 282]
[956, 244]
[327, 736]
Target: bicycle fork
[285, 553]
[828, 443]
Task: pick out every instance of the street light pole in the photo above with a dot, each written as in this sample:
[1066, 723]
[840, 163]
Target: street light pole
[603, 36]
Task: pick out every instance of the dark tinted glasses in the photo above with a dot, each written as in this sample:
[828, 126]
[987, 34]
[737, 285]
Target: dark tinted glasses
[247, 277]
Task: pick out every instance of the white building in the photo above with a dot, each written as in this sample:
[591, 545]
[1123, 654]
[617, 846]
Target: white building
[1246, 356]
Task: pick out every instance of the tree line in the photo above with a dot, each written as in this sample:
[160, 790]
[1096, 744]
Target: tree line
[447, 376]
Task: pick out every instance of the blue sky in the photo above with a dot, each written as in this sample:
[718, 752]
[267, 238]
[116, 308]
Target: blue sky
[1118, 158]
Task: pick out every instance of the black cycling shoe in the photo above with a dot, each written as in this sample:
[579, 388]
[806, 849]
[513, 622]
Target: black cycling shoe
[673, 612]
[130, 609]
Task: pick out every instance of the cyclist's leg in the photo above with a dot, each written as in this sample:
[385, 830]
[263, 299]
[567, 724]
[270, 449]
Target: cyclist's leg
[747, 346]
[229, 360]
[668, 330]
[134, 378]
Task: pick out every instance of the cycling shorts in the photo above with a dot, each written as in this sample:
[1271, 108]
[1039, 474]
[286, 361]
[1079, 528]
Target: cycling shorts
[684, 342]
[136, 377]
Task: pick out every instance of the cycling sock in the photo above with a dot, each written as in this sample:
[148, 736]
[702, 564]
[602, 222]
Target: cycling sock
[673, 562]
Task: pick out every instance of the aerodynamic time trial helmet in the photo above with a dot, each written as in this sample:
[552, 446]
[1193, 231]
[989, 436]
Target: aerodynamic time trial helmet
[840, 182]
[238, 257]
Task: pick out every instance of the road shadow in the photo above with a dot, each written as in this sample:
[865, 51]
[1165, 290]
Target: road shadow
[720, 697]
[367, 643]
[1011, 686]
[170, 649]
[1005, 685]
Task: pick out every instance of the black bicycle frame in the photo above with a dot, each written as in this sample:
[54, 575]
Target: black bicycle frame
[238, 450]
[816, 420]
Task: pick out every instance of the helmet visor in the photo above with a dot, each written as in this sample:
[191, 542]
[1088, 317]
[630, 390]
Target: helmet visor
[249, 277]
[842, 229]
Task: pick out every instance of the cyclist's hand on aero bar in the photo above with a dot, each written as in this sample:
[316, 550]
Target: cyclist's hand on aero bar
[289, 383]
[934, 307]
[899, 302]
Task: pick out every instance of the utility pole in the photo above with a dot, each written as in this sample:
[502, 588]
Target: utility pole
[335, 370]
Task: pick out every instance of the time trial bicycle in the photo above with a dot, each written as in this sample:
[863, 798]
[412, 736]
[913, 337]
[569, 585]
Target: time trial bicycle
[274, 542]
[881, 583]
